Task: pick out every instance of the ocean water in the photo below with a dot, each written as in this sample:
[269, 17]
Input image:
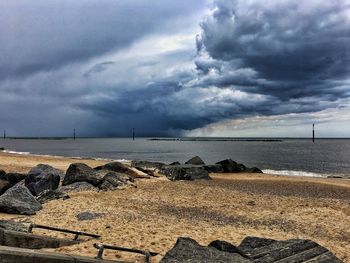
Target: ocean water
[299, 157]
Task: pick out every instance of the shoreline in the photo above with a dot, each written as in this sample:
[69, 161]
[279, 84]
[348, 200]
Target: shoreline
[292, 173]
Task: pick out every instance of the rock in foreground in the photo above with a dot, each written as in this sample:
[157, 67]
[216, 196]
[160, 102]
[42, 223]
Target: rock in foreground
[185, 172]
[188, 250]
[19, 200]
[252, 249]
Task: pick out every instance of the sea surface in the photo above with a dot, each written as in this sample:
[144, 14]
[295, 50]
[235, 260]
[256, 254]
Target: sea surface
[299, 157]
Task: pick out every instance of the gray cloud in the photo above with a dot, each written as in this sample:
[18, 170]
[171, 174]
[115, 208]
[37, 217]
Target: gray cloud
[105, 67]
[46, 35]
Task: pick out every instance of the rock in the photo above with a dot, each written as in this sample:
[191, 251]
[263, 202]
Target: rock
[80, 172]
[14, 178]
[230, 166]
[185, 172]
[42, 177]
[188, 250]
[213, 168]
[19, 200]
[293, 250]
[226, 247]
[195, 161]
[2, 174]
[49, 195]
[78, 187]
[251, 249]
[113, 180]
[119, 168]
[253, 170]
[175, 163]
[4, 185]
[88, 215]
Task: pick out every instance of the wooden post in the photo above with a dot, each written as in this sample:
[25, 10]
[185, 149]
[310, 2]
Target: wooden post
[133, 134]
[313, 132]
[74, 134]
[4, 134]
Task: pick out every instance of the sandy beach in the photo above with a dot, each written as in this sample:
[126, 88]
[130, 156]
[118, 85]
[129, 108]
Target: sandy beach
[229, 207]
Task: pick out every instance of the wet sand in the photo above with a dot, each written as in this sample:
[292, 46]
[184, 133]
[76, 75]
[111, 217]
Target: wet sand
[230, 207]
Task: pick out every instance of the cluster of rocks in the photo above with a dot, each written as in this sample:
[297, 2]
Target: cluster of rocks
[251, 249]
[25, 193]
[193, 169]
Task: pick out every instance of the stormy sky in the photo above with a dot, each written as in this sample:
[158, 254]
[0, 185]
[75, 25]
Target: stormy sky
[175, 68]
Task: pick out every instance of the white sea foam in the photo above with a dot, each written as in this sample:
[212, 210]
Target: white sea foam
[14, 152]
[294, 173]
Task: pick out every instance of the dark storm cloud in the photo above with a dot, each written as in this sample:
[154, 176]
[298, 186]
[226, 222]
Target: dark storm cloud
[296, 48]
[45, 35]
[106, 67]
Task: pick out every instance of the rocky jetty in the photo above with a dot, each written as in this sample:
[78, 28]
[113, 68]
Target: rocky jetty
[251, 249]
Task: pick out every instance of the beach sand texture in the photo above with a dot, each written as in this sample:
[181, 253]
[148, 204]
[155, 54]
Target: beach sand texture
[230, 207]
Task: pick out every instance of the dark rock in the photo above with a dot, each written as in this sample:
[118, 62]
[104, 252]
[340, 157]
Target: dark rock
[42, 177]
[185, 172]
[188, 250]
[113, 180]
[2, 174]
[49, 195]
[254, 170]
[252, 249]
[14, 178]
[117, 167]
[2, 149]
[80, 172]
[213, 168]
[293, 250]
[13, 226]
[78, 187]
[89, 215]
[230, 166]
[226, 247]
[19, 200]
[175, 163]
[195, 161]
[4, 185]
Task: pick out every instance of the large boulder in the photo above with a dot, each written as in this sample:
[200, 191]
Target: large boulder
[230, 166]
[19, 200]
[4, 185]
[113, 180]
[80, 172]
[213, 168]
[14, 178]
[188, 250]
[42, 177]
[195, 161]
[254, 170]
[185, 172]
[78, 187]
